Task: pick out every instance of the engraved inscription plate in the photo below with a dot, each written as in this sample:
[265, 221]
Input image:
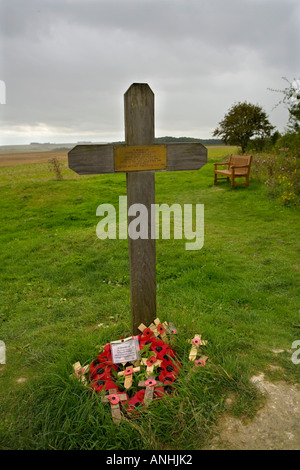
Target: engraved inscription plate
[140, 157]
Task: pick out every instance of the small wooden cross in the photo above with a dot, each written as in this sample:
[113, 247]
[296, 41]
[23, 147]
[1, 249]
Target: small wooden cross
[150, 384]
[171, 330]
[161, 329]
[114, 399]
[139, 158]
[80, 371]
[157, 328]
[201, 361]
[128, 375]
[151, 364]
[196, 342]
[151, 327]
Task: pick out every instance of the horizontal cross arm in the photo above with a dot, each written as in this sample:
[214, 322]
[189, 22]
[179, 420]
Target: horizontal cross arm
[98, 159]
[92, 159]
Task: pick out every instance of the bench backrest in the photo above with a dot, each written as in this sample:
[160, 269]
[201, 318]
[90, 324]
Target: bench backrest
[240, 160]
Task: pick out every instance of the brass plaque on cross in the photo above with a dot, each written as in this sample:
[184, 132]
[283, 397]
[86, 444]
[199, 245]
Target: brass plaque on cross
[140, 157]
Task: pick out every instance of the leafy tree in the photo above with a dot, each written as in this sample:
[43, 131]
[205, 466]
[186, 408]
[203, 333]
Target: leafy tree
[291, 99]
[243, 121]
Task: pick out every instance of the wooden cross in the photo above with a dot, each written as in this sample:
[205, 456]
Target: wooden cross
[80, 371]
[161, 329]
[139, 158]
[156, 327]
[128, 375]
[196, 342]
[150, 329]
[114, 399]
[201, 361]
[171, 330]
[151, 363]
[150, 384]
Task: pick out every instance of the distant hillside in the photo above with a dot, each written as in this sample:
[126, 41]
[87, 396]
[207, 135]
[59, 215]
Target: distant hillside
[166, 139]
[52, 147]
[188, 139]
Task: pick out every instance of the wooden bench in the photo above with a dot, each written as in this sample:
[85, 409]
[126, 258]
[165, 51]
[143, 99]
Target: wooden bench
[238, 166]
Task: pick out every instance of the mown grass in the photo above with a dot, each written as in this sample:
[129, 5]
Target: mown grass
[59, 281]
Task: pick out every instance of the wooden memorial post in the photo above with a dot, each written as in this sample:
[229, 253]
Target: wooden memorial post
[139, 158]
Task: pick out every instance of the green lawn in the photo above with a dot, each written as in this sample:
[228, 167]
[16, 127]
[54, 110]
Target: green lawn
[59, 281]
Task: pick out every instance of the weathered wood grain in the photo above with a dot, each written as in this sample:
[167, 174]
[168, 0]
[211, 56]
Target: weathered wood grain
[139, 130]
[92, 159]
[185, 156]
[97, 159]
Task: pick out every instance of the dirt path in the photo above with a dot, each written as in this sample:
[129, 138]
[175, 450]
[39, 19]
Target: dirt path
[275, 426]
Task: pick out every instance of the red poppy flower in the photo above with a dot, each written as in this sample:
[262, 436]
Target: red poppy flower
[200, 362]
[160, 328]
[104, 377]
[107, 348]
[196, 341]
[97, 368]
[171, 366]
[151, 361]
[104, 358]
[171, 353]
[113, 398]
[136, 401]
[150, 383]
[99, 385]
[158, 342]
[109, 385]
[166, 377]
[148, 332]
[160, 349]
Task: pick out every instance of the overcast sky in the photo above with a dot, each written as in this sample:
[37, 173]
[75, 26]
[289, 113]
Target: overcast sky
[66, 64]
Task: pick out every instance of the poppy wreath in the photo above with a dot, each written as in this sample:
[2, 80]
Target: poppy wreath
[102, 372]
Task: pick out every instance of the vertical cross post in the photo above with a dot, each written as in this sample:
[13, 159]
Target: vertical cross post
[139, 158]
[150, 384]
[128, 375]
[139, 130]
[114, 399]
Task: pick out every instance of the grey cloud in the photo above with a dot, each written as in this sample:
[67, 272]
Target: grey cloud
[67, 63]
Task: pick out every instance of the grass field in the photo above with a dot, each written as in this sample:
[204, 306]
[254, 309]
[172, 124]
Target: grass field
[59, 281]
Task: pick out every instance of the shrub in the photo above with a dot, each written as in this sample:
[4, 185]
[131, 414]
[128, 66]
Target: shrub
[280, 171]
[55, 166]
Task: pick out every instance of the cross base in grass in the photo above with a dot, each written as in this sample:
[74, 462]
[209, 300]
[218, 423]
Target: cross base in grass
[114, 399]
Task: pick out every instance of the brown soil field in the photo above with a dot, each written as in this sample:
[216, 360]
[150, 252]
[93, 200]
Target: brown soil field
[27, 158]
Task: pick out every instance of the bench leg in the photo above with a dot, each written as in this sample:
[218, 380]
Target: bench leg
[215, 179]
[232, 182]
[247, 181]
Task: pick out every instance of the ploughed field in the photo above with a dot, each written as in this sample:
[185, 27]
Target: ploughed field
[27, 158]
